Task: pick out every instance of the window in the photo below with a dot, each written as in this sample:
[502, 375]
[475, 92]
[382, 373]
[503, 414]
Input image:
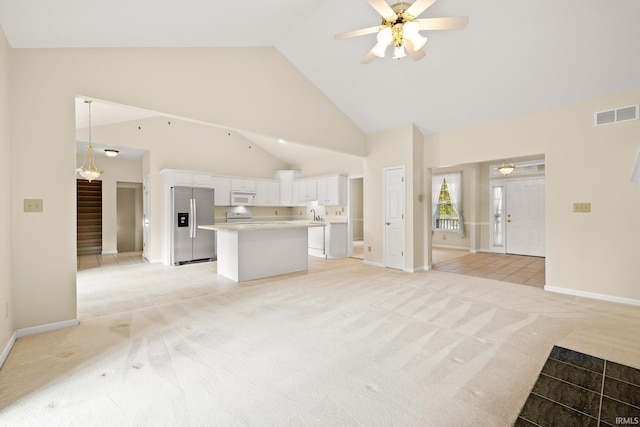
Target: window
[446, 216]
[446, 202]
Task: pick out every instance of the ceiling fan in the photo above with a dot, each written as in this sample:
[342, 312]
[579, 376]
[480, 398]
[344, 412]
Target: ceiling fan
[401, 28]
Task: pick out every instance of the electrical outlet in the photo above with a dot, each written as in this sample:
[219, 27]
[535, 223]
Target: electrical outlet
[33, 205]
[582, 207]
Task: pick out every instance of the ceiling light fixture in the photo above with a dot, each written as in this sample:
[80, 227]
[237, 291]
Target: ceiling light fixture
[506, 169]
[89, 172]
[111, 152]
[401, 29]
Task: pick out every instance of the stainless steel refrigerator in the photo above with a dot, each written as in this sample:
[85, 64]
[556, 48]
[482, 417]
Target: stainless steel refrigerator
[192, 207]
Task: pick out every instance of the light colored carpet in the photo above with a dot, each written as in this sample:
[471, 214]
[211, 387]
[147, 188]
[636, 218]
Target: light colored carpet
[343, 345]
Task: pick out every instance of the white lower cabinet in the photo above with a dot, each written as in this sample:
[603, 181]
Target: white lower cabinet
[328, 242]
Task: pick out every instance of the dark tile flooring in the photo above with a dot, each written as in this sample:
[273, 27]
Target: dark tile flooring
[575, 389]
[521, 269]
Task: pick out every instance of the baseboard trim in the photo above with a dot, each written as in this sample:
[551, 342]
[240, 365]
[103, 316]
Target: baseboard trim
[373, 264]
[415, 270]
[463, 248]
[109, 252]
[33, 330]
[592, 295]
[7, 349]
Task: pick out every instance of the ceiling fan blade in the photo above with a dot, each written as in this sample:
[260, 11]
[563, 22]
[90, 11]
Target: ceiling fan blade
[416, 55]
[357, 33]
[449, 23]
[368, 57]
[383, 9]
[418, 7]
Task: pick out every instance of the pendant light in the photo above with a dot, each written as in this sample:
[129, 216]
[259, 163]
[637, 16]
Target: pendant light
[89, 172]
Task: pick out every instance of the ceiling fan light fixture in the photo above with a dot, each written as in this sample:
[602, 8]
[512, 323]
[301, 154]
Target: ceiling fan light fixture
[411, 29]
[399, 52]
[418, 42]
[385, 35]
[379, 49]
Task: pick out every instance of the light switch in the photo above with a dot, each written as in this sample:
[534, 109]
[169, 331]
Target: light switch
[33, 205]
[582, 207]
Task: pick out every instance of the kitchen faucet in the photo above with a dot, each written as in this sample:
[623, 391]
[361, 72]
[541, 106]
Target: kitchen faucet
[315, 218]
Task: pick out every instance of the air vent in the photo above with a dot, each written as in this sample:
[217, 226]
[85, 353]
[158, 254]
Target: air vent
[614, 116]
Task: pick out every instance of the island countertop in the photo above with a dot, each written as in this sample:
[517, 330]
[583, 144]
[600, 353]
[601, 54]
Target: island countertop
[266, 225]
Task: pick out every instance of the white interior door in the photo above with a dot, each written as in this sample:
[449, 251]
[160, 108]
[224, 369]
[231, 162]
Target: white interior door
[394, 195]
[525, 216]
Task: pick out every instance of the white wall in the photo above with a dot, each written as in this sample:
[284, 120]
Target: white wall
[596, 252]
[6, 324]
[254, 89]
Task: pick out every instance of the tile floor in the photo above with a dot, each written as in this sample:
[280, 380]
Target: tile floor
[86, 262]
[582, 390]
[524, 270]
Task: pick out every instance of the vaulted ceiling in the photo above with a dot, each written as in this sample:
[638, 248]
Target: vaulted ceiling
[513, 57]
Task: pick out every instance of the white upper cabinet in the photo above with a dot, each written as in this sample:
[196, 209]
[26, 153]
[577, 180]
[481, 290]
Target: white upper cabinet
[267, 193]
[332, 190]
[188, 179]
[305, 190]
[286, 179]
[222, 194]
[240, 184]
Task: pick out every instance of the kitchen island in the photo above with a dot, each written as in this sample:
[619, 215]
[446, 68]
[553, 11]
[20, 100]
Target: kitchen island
[255, 250]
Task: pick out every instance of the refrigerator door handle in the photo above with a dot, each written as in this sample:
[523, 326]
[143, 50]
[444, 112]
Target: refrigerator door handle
[195, 219]
[191, 214]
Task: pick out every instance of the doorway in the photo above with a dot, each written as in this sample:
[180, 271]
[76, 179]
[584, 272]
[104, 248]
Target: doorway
[129, 217]
[517, 216]
[356, 217]
[88, 217]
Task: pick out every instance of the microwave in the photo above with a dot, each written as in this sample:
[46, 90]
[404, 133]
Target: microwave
[243, 198]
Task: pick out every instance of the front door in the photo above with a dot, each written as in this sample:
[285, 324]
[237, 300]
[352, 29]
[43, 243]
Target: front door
[525, 216]
[394, 194]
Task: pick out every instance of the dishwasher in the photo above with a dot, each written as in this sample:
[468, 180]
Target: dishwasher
[317, 242]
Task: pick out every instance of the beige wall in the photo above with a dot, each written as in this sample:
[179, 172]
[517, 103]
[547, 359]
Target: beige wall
[6, 324]
[596, 252]
[395, 147]
[254, 89]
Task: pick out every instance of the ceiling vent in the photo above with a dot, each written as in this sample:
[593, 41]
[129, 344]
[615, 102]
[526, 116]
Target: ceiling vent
[614, 116]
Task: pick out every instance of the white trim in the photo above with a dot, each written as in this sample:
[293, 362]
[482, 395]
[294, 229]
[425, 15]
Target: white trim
[592, 295]
[109, 252]
[373, 264]
[25, 332]
[7, 349]
[415, 270]
[463, 248]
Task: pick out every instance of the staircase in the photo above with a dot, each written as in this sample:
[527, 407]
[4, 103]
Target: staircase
[89, 217]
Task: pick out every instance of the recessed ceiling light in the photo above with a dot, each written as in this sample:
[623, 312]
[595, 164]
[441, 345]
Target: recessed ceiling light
[111, 153]
[282, 141]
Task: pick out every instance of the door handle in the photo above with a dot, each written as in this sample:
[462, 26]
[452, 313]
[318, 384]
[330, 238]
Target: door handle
[388, 223]
[195, 218]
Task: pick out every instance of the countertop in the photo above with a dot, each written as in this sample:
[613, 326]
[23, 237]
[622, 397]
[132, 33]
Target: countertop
[266, 225]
